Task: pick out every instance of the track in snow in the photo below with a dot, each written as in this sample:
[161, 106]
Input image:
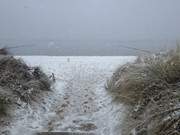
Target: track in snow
[78, 102]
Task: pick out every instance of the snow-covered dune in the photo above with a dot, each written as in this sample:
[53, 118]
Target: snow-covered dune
[78, 101]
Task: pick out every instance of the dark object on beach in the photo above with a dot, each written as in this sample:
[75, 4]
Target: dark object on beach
[2, 107]
[52, 77]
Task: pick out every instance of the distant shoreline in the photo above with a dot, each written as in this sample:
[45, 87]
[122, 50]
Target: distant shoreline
[85, 48]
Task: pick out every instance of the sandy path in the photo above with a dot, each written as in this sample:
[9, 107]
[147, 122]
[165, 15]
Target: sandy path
[78, 102]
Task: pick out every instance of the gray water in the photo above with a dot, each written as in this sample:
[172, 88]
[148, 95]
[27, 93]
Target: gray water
[84, 47]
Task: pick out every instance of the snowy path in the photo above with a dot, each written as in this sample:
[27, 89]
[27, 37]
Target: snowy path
[78, 102]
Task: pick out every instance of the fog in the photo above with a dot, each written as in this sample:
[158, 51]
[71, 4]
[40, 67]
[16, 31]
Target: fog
[90, 20]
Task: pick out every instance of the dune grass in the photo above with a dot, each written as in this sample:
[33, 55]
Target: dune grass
[150, 87]
[20, 83]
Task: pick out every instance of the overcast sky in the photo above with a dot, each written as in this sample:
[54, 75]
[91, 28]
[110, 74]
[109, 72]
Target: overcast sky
[90, 19]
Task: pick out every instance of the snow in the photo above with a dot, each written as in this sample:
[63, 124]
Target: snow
[78, 101]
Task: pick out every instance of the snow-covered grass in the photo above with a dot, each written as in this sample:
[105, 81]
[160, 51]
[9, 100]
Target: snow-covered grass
[150, 87]
[78, 100]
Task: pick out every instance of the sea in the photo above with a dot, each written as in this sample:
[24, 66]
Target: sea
[59, 47]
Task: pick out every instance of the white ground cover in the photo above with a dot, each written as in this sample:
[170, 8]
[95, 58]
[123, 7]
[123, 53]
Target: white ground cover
[78, 101]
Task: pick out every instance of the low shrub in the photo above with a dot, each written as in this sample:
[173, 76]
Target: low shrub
[20, 80]
[150, 87]
[4, 51]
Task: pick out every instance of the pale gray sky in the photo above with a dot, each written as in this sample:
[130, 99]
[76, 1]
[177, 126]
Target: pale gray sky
[90, 19]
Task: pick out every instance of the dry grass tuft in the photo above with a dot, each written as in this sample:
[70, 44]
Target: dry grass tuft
[151, 88]
[20, 82]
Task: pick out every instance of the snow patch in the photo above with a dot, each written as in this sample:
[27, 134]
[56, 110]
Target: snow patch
[78, 98]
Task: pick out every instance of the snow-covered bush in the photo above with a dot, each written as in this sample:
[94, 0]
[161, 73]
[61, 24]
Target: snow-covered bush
[4, 51]
[150, 88]
[18, 81]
